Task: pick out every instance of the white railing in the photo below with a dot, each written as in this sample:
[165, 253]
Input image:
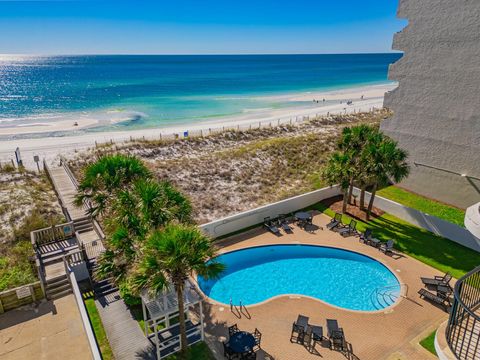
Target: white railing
[85, 319]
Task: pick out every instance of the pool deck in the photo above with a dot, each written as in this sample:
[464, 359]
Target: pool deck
[391, 334]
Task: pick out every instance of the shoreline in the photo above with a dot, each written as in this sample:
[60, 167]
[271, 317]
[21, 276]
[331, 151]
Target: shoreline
[50, 146]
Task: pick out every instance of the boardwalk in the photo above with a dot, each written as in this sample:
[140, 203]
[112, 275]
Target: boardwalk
[66, 191]
[123, 332]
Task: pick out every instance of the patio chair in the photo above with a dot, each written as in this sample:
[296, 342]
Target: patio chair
[258, 339]
[270, 226]
[366, 236]
[228, 352]
[298, 329]
[351, 229]
[441, 299]
[251, 355]
[387, 247]
[335, 335]
[438, 280]
[282, 220]
[336, 221]
[233, 329]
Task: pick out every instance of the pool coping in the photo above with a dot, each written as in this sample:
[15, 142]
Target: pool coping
[385, 310]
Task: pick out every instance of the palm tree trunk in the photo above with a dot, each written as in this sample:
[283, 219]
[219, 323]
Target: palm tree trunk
[362, 198]
[345, 201]
[181, 319]
[372, 198]
[350, 191]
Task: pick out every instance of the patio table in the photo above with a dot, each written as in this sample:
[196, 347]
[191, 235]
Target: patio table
[303, 216]
[375, 242]
[241, 342]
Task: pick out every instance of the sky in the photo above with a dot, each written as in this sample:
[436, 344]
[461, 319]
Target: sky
[197, 26]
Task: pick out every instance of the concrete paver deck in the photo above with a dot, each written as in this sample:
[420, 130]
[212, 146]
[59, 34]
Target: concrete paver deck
[53, 331]
[389, 334]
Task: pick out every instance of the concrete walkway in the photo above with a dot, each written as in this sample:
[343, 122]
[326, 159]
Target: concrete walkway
[52, 331]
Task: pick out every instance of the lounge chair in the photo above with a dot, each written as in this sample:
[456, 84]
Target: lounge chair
[366, 236]
[336, 221]
[440, 298]
[438, 280]
[335, 335]
[282, 221]
[387, 247]
[299, 328]
[233, 329]
[349, 230]
[270, 226]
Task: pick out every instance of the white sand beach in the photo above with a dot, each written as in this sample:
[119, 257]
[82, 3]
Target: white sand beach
[49, 147]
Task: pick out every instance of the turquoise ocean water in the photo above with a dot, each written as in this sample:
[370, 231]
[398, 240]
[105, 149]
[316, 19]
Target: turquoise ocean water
[166, 90]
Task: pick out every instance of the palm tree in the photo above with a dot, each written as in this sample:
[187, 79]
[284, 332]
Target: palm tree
[135, 213]
[353, 142]
[107, 176]
[170, 257]
[339, 171]
[386, 163]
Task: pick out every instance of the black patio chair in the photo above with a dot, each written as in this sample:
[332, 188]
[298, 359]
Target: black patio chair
[335, 335]
[387, 247]
[366, 236]
[336, 221]
[349, 230]
[270, 226]
[251, 355]
[282, 220]
[440, 298]
[233, 329]
[258, 339]
[437, 280]
[298, 329]
[228, 352]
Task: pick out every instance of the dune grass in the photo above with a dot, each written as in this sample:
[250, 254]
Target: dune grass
[98, 329]
[418, 202]
[429, 343]
[433, 250]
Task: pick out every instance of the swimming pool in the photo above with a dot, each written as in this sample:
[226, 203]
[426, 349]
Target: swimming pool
[341, 278]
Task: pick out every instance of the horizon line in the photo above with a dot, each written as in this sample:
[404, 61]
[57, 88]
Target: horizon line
[196, 54]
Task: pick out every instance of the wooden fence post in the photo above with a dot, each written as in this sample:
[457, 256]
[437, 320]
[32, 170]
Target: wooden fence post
[1, 307]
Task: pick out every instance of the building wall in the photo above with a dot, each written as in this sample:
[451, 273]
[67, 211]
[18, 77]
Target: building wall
[437, 103]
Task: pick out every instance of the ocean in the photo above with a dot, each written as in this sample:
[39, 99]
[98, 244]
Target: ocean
[130, 92]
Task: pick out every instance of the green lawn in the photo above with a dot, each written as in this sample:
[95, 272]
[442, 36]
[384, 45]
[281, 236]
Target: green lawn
[98, 329]
[431, 207]
[433, 250]
[199, 351]
[429, 343]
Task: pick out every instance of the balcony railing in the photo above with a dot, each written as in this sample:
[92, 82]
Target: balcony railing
[463, 329]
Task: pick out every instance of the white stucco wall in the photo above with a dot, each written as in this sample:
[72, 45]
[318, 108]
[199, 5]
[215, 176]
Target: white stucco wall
[437, 103]
[252, 217]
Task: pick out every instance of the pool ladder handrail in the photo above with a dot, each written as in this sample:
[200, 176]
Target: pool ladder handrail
[238, 312]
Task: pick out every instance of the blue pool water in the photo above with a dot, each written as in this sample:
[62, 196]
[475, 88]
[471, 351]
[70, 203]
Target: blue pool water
[338, 277]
